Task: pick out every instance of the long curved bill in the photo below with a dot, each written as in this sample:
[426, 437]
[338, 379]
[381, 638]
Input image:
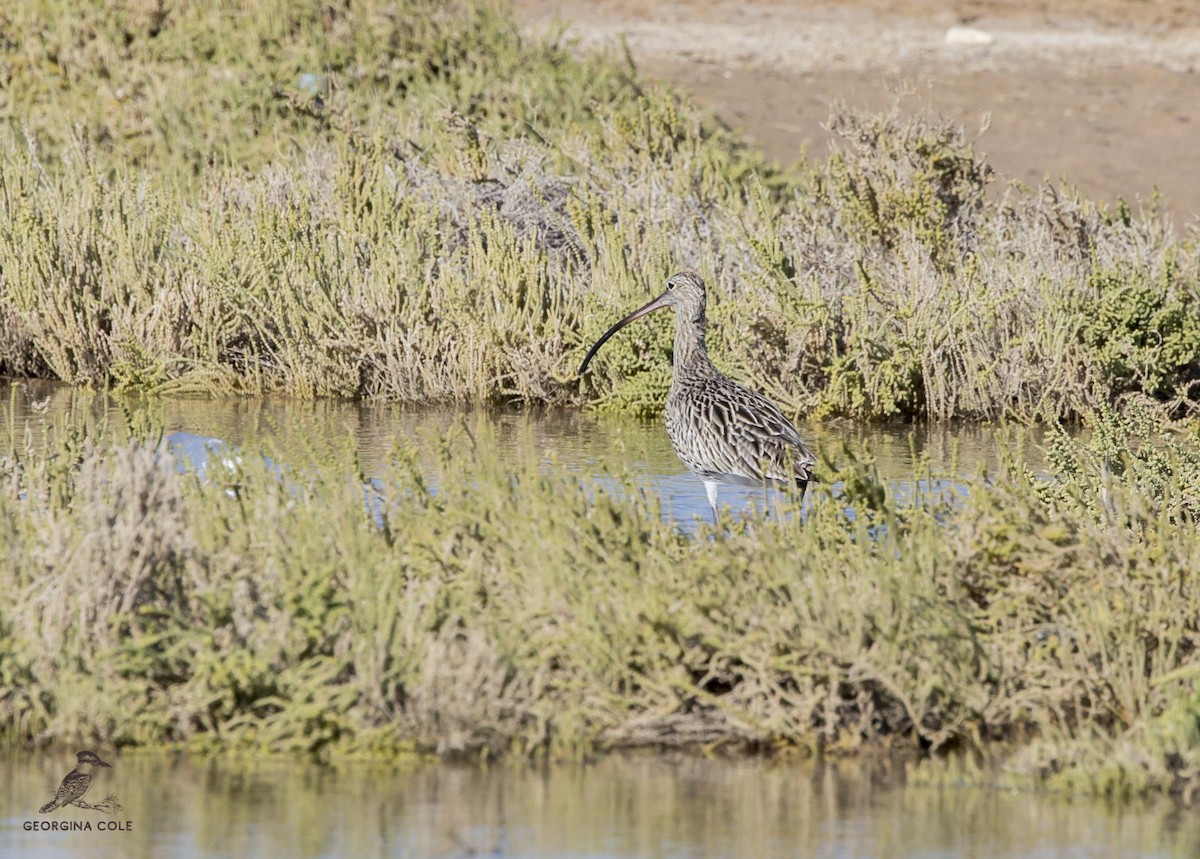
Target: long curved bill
[654, 305]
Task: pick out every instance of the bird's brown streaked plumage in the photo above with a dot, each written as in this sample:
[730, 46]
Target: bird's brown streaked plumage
[722, 431]
[77, 781]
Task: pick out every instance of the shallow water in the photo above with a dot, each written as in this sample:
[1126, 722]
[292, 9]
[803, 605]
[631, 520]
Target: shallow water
[597, 446]
[644, 806]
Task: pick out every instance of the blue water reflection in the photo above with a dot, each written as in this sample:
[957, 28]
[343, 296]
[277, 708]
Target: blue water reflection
[685, 503]
[206, 435]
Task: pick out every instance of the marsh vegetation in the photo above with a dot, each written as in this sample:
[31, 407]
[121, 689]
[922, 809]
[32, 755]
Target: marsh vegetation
[411, 202]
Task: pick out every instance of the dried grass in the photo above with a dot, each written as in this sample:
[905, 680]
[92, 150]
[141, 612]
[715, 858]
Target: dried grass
[415, 204]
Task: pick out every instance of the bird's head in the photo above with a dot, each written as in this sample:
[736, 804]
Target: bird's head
[684, 293]
[86, 757]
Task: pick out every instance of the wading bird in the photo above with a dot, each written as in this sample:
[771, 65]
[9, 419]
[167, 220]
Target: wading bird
[724, 432]
[77, 781]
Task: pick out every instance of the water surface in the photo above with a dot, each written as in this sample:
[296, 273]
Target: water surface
[642, 806]
[596, 446]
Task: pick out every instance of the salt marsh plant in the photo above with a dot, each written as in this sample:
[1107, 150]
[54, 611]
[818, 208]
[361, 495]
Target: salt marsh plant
[415, 202]
[518, 612]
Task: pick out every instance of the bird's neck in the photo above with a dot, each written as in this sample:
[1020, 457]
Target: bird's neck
[83, 768]
[690, 350]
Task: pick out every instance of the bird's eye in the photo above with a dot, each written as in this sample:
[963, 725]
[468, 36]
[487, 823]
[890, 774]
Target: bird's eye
[670, 284]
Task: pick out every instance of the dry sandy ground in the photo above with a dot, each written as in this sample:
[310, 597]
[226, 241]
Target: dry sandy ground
[1105, 93]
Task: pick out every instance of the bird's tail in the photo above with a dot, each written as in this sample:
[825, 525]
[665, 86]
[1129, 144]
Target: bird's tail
[48, 807]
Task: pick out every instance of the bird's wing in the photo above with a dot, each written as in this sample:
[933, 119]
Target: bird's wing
[736, 431]
[768, 440]
[73, 787]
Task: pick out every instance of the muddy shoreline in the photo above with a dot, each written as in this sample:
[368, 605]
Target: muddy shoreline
[1104, 94]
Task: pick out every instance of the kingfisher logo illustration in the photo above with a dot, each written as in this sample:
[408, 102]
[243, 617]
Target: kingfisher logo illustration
[78, 782]
[76, 785]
